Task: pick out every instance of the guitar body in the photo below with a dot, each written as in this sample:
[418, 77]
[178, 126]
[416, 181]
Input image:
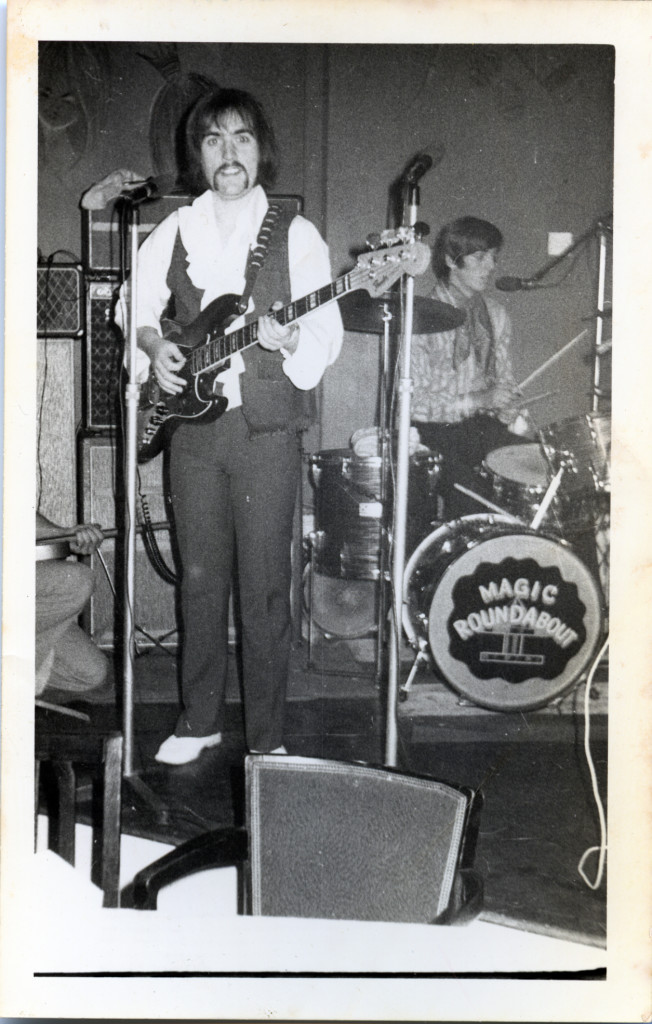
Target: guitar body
[209, 354]
[160, 413]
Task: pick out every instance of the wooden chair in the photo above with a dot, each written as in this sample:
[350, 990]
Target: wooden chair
[329, 839]
[61, 753]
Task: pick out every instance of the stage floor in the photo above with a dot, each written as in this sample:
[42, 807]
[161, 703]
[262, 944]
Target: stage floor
[539, 811]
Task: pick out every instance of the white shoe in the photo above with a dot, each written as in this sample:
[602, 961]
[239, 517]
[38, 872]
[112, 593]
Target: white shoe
[182, 749]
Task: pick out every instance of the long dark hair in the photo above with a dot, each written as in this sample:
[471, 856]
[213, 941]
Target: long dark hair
[460, 238]
[209, 110]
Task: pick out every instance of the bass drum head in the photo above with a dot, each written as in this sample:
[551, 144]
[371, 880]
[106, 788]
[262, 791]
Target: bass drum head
[512, 617]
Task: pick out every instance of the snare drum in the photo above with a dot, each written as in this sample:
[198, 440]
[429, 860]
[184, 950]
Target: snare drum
[512, 617]
[519, 476]
[581, 446]
[349, 511]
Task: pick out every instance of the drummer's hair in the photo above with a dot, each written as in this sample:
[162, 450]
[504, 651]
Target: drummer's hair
[461, 237]
[209, 110]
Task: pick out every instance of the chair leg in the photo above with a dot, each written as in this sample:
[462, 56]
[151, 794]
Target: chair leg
[111, 817]
[37, 791]
[66, 786]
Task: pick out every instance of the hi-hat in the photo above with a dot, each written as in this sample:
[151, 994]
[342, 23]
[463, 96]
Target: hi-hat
[361, 312]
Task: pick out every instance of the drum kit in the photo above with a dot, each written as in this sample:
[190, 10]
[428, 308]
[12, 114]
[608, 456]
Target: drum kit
[499, 605]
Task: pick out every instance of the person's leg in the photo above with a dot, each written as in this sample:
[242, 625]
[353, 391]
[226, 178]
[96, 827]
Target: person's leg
[264, 497]
[62, 590]
[79, 666]
[200, 494]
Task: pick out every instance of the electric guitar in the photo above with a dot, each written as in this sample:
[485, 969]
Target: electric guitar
[208, 349]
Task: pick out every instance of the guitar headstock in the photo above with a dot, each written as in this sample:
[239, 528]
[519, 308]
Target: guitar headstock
[379, 269]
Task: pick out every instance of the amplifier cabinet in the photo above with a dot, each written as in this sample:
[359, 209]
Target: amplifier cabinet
[104, 350]
[58, 404]
[59, 300]
[104, 249]
[101, 487]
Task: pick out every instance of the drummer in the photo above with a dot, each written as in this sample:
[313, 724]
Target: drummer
[466, 402]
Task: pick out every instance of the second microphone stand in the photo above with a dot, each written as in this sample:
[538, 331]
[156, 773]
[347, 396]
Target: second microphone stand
[400, 502]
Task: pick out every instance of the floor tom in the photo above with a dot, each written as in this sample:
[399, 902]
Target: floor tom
[350, 515]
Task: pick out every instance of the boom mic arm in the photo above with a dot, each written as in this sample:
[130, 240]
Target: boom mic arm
[515, 284]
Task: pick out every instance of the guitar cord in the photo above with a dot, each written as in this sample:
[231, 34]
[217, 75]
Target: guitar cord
[152, 548]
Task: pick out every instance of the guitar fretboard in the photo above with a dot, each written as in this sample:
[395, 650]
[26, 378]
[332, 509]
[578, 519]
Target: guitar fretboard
[218, 349]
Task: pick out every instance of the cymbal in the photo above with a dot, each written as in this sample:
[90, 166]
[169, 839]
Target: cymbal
[361, 312]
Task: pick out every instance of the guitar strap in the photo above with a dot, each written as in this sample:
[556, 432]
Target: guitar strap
[258, 254]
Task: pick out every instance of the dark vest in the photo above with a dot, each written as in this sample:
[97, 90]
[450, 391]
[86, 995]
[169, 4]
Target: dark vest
[270, 401]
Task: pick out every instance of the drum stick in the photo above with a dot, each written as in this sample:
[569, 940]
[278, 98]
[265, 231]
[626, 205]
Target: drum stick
[483, 501]
[553, 358]
[548, 497]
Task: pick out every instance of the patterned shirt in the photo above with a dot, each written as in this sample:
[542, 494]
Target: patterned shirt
[444, 384]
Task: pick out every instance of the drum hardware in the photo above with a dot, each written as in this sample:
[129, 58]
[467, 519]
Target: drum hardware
[484, 501]
[338, 608]
[361, 312]
[548, 498]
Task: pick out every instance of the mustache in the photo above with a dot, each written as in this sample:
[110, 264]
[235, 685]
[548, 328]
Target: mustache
[228, 166]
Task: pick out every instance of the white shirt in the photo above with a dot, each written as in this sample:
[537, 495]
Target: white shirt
[216, 265]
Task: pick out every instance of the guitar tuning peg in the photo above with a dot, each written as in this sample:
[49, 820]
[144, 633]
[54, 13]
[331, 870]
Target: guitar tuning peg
[373, 240]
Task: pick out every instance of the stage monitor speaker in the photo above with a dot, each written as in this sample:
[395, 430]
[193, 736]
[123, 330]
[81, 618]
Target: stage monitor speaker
[59, 300]
[329, 839]
[155, 610]
[103, 356]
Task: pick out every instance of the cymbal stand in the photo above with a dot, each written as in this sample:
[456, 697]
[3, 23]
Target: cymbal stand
[400, 500]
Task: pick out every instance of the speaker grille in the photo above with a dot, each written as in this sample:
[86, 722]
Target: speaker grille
[336, 840]
[104, 349]
[59, 300]
[101, 245]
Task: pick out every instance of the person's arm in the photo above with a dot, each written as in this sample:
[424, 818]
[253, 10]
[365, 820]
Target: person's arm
[162, 355]
[314, 342]
[88, 536]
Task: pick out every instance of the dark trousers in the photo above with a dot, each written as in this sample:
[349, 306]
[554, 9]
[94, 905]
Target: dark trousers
[233, 498]
[463, 447]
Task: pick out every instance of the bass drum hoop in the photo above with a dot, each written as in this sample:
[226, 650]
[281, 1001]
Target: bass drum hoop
[504, 695]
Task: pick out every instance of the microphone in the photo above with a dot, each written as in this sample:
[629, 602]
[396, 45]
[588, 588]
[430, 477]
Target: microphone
[139, 191]
[516, 284]
[422, 163]
[125, 184]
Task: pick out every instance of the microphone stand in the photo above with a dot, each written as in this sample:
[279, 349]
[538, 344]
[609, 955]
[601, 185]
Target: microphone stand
[132, 395]
[400, 500]
[599, 319]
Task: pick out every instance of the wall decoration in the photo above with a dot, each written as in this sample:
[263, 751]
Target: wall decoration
[172, 102]
[72, 98]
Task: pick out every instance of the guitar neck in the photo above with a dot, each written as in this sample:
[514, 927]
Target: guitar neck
[217, 350]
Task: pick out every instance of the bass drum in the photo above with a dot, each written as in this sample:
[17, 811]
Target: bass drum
[512, 617]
